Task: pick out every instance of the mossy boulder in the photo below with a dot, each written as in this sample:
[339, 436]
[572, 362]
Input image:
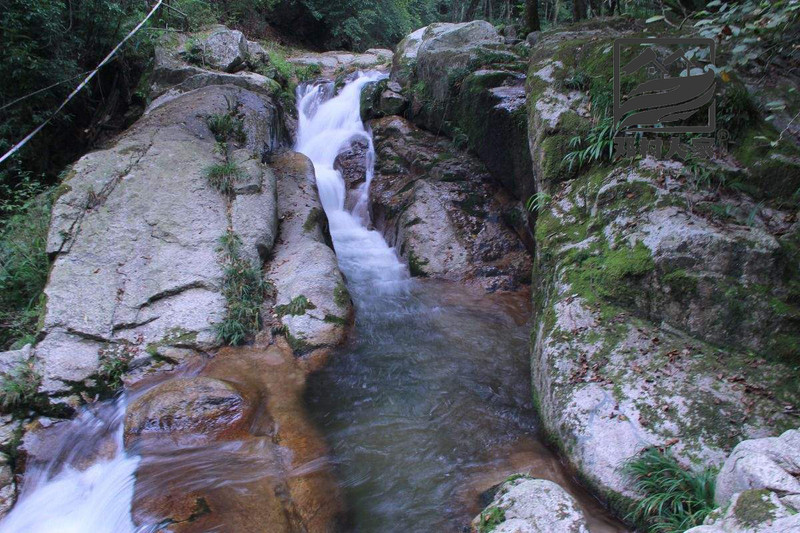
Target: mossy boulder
[656, 324]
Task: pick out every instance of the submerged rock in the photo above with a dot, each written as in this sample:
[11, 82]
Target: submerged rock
[188, 411]
[527, 505]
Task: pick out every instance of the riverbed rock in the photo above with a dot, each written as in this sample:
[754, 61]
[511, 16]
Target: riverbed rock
[134, 235]
[771, 463]
[311, 299]
[656, 323]
[188, 411]
[177, 70]
[439, 208]
[527, 505]
[757, 488]
[331, 64]
[753, 511]
[273, 470]
[352, 163]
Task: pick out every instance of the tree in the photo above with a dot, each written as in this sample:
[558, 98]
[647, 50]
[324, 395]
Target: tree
[532, 15]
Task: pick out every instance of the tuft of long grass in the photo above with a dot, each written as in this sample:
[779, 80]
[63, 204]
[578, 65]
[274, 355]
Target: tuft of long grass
[244, 289]
[223, 176]
[598, 145]
[225, 126]
[675, 498]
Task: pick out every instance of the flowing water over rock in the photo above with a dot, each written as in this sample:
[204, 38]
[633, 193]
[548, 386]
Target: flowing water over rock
[429, 405]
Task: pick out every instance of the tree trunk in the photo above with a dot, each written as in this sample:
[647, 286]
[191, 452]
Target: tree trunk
[578, 10]
[470, 14]
[532, 15]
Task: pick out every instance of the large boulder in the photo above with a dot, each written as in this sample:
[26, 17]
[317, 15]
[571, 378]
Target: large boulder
[311, 299]
[135, 231]
[462, 81]
[438, 207]
[753, 511]
[656, 323]
[223, 49]
[527, 505]
[772, 463]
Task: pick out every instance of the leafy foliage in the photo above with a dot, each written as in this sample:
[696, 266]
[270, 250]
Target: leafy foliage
[244, 289]
[19, 389]
[675, 499]
[23, 270]
[51, 45]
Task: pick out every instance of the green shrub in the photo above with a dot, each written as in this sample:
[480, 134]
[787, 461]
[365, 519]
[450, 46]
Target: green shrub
[23, 271]
[676, 499]
[244, 289]
[223, 176]
[19, 390]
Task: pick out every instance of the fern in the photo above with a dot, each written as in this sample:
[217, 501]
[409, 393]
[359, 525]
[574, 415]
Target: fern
[596, 147]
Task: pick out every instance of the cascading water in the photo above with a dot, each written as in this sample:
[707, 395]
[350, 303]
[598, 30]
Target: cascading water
[328, 125]
[430, 399]
[63, 496]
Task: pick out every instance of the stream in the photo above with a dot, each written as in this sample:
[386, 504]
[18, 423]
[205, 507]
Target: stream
[429, 404]
[424, 409]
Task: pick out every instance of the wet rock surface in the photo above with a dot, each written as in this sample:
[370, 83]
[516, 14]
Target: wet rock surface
[440, 209]
[271, 471]
[187, 409]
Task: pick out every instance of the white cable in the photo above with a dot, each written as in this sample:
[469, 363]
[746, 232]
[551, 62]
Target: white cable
[81, 86]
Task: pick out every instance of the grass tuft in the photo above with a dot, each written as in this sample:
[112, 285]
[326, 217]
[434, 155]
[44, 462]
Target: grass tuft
[676, 499]
[223, 176]
[244, 289]
[225, 126]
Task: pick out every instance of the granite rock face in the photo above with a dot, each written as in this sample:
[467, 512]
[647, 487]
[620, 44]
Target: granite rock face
[758, 489]
[311, 299]
[135, 235]
[440, 209]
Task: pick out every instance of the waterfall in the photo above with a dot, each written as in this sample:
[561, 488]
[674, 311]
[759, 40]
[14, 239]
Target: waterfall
[328, 125]
[58, 496]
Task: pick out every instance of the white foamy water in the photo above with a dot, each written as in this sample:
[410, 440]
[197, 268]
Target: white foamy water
[60, 497]
[328, 125]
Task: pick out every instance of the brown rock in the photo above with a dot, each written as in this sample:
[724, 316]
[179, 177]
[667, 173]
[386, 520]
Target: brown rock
[187, 410]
